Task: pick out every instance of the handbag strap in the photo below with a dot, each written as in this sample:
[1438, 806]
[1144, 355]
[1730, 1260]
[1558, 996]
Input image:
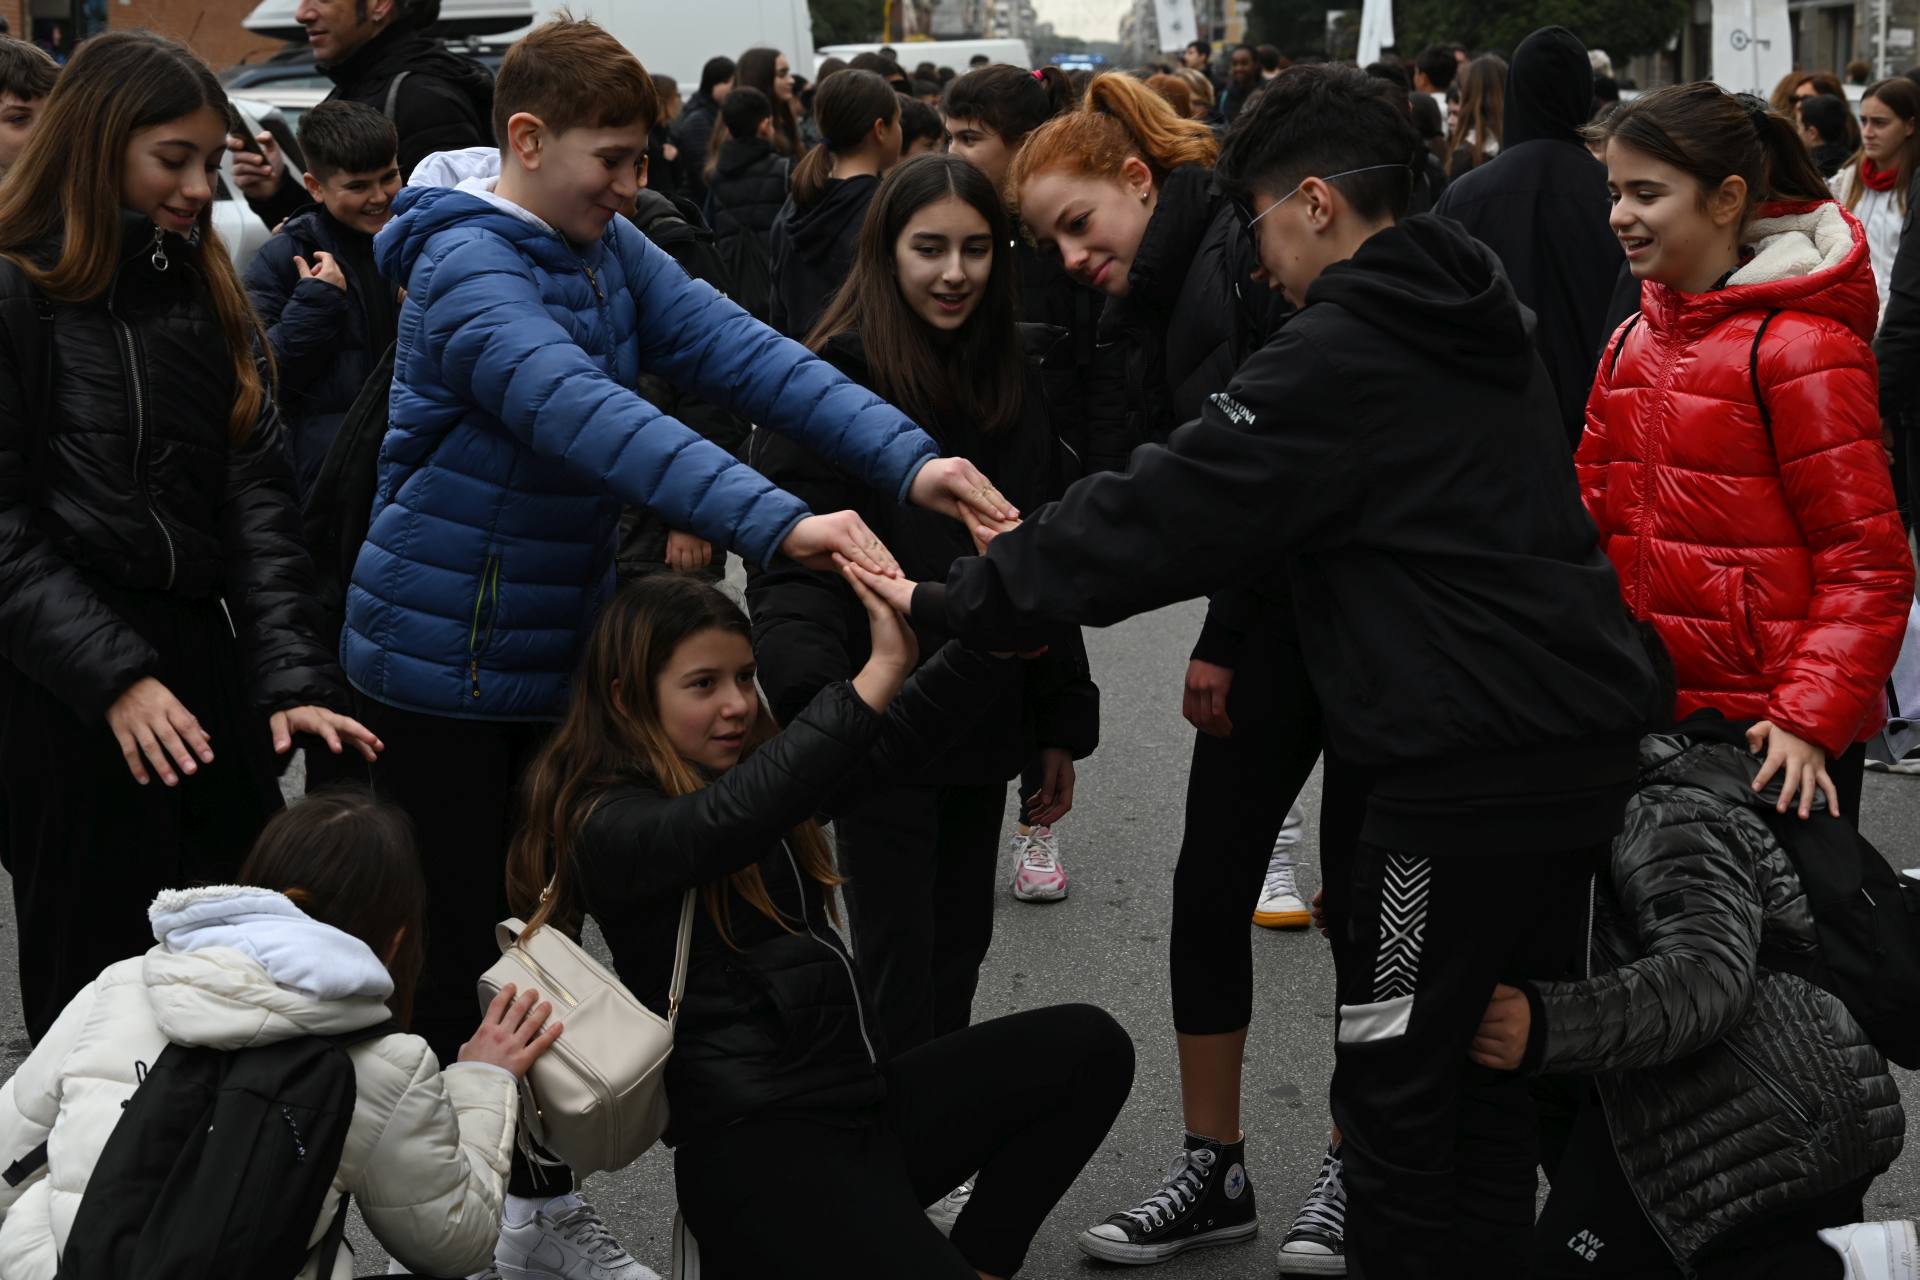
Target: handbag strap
[682, 946]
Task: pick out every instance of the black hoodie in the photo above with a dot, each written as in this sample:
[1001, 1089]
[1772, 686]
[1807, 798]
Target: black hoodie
[1393, 452]
[813, 251]
[445, 103]
[1542, 206]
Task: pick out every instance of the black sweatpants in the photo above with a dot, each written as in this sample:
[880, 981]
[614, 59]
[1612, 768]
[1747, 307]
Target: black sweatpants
[88, 847]
[1440, 1154]
[1239, 789]
[459, 781]
[1593, 1227]
[801, 1199]
[922, 874]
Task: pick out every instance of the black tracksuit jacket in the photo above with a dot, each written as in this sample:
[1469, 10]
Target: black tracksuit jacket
[1394, 452]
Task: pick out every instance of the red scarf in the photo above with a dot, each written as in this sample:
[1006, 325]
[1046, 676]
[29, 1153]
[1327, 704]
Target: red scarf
[1876, 178]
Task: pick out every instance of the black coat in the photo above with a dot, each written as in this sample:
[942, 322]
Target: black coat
[445, 103]
[748, 189]
[810, 630]
[1541, 205]
[778, 1023]
[693, 134]
[1897, 345]
[1393, 453]
[325, 340]
[116, 467]
[813, 251]
[1710, 1058]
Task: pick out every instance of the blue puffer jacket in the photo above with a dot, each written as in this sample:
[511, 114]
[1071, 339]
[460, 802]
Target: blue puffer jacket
[515, 438]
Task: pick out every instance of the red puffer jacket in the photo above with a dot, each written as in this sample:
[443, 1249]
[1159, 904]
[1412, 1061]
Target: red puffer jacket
[1770, 559]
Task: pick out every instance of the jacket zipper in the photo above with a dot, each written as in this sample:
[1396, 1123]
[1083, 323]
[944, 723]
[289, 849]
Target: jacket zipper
[593, 278]
[130, 346]
[1787, 1097]
[1649, 483]
[859, 1008]
[489, 597]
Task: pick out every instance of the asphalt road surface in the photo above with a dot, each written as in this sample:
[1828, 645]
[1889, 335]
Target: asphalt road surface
[1107, 944]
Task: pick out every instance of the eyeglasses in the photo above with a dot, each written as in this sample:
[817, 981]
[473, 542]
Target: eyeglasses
[1254, 218]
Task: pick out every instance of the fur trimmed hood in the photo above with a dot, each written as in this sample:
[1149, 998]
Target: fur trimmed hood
[238, 966]
[1806, 257]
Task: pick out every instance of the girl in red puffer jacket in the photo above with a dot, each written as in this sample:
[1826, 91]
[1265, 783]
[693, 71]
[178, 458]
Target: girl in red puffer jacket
[1732, 454]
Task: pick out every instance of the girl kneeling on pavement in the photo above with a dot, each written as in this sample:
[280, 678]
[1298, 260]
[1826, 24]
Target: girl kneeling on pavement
[320, 937]
[1713, 1109]
[801, 1148]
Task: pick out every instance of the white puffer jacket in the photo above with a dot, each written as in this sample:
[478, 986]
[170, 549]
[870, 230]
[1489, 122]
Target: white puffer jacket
[426, 1155]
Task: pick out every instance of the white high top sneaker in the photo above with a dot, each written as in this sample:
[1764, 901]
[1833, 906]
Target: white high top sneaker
[1877, 1250]
[1280, 905]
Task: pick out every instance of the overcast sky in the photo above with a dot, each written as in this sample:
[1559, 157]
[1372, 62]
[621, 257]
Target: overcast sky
[1088, 19]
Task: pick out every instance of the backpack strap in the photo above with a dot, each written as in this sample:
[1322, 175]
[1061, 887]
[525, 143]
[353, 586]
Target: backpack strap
[1753, 372]
[393, 94]
[683, 944]
[1613, 359]
[329, 1247]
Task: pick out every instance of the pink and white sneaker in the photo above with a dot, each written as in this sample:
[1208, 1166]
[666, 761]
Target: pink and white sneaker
[1038, 875]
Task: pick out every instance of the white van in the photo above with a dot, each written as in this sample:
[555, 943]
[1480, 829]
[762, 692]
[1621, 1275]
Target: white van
[669, 36]
[941, 53]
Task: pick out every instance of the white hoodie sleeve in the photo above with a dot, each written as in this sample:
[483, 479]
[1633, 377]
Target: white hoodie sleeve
[431, 1191]
[30, 1101]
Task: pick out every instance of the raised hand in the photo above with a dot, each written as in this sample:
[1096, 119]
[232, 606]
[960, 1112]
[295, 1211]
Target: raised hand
[955, 487]
[816, 540]
[324, 269]
[894, 651]
[257, 175]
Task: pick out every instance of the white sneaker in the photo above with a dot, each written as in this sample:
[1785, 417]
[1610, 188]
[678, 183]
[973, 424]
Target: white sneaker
[566, 1240]
[1280, 905]
[1877, 1250]
[1912, 873]
[945, 1211]
[1037, 873]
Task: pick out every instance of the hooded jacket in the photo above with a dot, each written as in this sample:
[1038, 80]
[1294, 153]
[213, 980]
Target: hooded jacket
[516, 435]
[1765, 549]
[1542, 206]
[810, 631]
[426, 1153]
[692, 132]
[445, 103]
[325, 340]
[813, 251]
[1393, 453]
[1731, 1088]
[116, 468]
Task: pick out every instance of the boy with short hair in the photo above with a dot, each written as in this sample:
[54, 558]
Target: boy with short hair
[27, 74]
[1391, 465]
[532, 309]
[328, 313]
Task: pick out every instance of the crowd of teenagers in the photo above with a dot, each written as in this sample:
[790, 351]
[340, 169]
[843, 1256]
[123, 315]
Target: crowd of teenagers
[1530, 448]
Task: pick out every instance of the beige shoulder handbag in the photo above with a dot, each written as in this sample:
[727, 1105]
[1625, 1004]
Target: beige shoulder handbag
[598, 1097]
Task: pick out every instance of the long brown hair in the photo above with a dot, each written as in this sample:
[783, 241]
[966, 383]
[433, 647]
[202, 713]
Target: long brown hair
[349, 861]
[67, 182]
[845, 108]
[608, 739]
[1902, 97]
[1483, 113]
[1713, 135]
[755, 68]
[978, 376]
[1118, 119]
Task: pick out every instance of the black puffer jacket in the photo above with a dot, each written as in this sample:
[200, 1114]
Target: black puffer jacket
[325, 340]
[1732, 1089]
[693, 134]
[749, 186]
[115, 466]
[778, 1022]
[445, 103]
[810, 631]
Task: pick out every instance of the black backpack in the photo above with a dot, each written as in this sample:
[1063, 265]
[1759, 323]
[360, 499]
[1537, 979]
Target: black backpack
[220, 1164]
[686, 238]
[337, 510]
[1867, 919]
[747, 257]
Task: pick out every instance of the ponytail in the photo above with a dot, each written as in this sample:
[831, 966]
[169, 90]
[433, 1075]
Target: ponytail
[1118, 119]
[1712, 135]
[845, 108]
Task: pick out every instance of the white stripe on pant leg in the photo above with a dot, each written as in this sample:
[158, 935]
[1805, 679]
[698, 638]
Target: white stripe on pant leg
[1396, 964]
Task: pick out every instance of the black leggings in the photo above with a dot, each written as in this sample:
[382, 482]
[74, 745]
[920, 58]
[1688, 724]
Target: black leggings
[800, 1198]
[1239, 789]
